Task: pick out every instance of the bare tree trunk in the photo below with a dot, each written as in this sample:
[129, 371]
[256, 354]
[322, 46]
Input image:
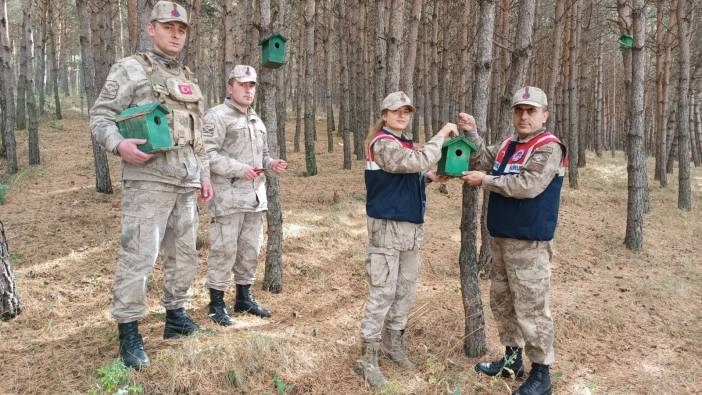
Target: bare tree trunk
[40, 54]
[21, 117]
[474, 343]
[434, 45]
[310, 157]
[407, 80]
[33, 127]
[684, 187]
[133, 21]
[636, 167]
[64, 66]
[103, 183]
[380, 53]
[53, 63]
[573, 89]
[192, 50]
[392, 82]
[10, 306]
[598, 103]
[273, 278]
[144, 12]
[7, 98]
[520, 60]
[557, 41]
[663, 64]
[344, 105]
[229, 37]
[328, 18]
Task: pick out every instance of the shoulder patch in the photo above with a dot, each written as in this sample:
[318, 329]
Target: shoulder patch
[109, 91]
[208, 129]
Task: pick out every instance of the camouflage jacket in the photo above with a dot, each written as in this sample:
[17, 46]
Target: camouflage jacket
[234, 140]
[129, 84]
[392, 157]
[538, 172]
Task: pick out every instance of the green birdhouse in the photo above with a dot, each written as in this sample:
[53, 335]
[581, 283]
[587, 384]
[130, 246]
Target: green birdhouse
[147, 122]
[626, 41]
[273, 51]
[455, 156]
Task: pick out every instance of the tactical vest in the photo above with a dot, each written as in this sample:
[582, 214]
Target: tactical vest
[394, 196]
[525, 219]
[181, 95]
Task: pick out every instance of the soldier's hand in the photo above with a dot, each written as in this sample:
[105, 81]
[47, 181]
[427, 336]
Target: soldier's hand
[279, 166]
[474, 178]
[206, 192]
[448, 130]
[466, 122]
[250, 173]
[129, 151]
[434, 177]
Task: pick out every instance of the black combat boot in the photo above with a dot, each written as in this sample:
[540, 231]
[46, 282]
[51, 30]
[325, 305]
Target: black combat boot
[538, 383]
[245, 302]
[131, 346]
[217, 309]
[178, 324]
[514, 355]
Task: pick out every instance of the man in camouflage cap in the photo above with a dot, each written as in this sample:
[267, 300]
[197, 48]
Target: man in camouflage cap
[159, 189]
[527, 172]
[237, 146]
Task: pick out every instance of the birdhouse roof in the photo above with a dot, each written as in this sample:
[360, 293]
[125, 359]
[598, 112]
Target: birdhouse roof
[276, 35]
[461, 140]
[133, 112]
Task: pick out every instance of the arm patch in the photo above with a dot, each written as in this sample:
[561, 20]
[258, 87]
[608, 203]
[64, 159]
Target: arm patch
[109, 91]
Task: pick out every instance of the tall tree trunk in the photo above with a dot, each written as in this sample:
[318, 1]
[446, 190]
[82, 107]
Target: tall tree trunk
[407, 80]
[53, 63]
[103, 183]
[684, 188]
[344, 103]
[328, 50]
[40, 54]
[229, 37]
[520, 60]
[598, 103]
[636, 166]
[10, 306]
[7, 98]
[380, 53]
[24, 57]
[273, 278]
[392, 82]
[192, 50]
[133, 22]
[65, 67]
[557, 41]
[664, 43]
[31, 105]
[310, 157]
[144, 8]
[573, 89]
[474, 338]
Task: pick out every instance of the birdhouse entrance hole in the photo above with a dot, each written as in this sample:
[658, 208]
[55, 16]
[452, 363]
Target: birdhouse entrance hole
[459, 152]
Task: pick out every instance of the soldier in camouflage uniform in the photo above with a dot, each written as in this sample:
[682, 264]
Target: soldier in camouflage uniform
[159, 190]
[396, 174]
[526, 176]
[237, 147]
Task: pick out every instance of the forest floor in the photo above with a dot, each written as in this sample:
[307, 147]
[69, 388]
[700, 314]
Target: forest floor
[625, 322]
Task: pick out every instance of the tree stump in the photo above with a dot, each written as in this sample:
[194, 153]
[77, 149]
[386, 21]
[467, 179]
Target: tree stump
[9, 302]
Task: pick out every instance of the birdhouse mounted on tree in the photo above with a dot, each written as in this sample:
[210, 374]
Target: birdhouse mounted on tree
[147, 122]
[273, 51]
[626, 41]
[455, 157]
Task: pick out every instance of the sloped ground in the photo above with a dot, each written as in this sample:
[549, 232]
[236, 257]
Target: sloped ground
[626, 322]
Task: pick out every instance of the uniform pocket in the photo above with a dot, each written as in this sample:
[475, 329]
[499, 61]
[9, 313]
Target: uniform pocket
[378, 269]
[137, 221]
[534, 273]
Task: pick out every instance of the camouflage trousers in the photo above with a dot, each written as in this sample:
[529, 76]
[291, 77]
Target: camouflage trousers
[519, 296]
[392, 286]
[235, 241]
[154, 215]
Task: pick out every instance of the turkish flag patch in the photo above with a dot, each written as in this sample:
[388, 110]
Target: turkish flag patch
[185, 89]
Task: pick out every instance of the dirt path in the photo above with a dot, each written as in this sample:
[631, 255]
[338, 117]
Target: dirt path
[626, 323]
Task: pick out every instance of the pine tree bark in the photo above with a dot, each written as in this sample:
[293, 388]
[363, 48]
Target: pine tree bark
[557, 41]
[53, 64]
[344, 103]
[40, 44]
[273, 278]
[599, 132]
[7, 98]
[21, 117]
[380, 53]
[474, 339]
[573, 124]
[392, 81]
[31, 105]
[10, 306]
[144, 8]
[407, 80]
[636, 161]
[103, 183]
[328, 20]
[310, 157]
[684, 187]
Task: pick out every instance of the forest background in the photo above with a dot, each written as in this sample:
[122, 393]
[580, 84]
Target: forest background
[624, 81]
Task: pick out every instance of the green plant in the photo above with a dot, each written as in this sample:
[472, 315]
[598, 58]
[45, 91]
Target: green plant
[3, 193]
[280, 386]
[117, 379]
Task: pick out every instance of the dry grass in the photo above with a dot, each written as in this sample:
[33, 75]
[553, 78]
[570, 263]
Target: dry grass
[626, 322]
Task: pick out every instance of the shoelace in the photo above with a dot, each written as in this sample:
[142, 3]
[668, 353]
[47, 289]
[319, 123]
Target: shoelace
[135, 341]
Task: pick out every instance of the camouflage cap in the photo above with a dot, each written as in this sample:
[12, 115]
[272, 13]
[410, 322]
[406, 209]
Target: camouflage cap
[168, 11]
[396, 100]
[531, 96]
[243, 73]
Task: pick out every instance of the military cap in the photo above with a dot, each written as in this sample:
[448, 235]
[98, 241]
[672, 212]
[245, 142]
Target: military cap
[168, 11]
[243, 73]
[396, 100]
[530, 96]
